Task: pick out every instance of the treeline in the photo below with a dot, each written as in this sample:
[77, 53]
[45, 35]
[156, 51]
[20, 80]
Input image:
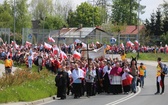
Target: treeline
[54, 14]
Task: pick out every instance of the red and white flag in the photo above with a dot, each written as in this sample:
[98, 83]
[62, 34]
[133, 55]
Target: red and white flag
[47, 46]
[129, 44]
[13, 42]
[63, 55]
[55, 50]
[50, 39]
[136, 43]
[76, 55]
[28, 43]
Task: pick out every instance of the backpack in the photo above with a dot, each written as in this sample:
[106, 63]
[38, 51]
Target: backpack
[165, 69]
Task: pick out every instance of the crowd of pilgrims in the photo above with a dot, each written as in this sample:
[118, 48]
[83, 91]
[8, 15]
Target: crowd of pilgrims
[97, 76]
[77, 77]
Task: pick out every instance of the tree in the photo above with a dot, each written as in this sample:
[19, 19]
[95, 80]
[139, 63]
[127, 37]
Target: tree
[6, 18]
[125, 11]
[158, 24]
[165, 17]
[71, 19]
[22, 16]
[152, 24]
[62, 9]
[54, 22]
[41, 8]
[85, 14]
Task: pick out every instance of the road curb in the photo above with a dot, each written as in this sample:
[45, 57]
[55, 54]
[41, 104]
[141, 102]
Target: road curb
[40, 101]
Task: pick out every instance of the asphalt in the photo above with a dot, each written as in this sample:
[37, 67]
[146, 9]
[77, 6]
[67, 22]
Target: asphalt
[150, 63]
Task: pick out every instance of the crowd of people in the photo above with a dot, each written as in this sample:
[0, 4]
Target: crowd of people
[77, 76]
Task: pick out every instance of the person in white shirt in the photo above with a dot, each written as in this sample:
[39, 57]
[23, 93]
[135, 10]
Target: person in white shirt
[77, 75]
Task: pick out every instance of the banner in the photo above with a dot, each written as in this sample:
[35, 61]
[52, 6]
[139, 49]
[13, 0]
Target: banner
[96, 53]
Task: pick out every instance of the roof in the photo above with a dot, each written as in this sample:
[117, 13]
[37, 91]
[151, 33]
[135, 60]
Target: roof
[132, 30]
[77, 32]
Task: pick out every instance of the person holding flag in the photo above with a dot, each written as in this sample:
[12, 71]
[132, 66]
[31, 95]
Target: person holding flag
[159, 77]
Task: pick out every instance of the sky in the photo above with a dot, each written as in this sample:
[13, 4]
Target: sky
[151, 6]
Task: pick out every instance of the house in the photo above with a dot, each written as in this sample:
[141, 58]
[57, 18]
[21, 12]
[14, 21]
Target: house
[85, 34]
[132, 32]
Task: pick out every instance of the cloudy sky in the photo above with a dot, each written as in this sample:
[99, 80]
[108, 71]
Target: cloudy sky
[151, 5]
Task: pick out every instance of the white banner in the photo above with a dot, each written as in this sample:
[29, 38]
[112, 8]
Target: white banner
[96, 53]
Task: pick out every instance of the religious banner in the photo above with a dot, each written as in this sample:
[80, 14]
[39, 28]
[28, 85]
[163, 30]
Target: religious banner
[96, 53]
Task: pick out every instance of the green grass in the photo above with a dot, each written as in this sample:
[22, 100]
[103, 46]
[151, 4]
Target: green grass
[24, 86]
[29, 91]
[149, 56]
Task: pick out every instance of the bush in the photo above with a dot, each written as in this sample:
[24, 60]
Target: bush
[26, 86]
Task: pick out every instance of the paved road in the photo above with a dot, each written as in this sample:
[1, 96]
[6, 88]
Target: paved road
[2, 69]
[144, 96]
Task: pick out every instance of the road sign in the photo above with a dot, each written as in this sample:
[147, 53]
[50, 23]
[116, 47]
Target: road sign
[113, 40]
[30, 36]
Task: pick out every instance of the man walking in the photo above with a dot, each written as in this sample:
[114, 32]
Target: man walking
[62, 82]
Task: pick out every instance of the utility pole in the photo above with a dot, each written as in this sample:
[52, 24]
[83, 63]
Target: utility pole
[14, 20]
[93, 12]
[138, 27]
[138, 19]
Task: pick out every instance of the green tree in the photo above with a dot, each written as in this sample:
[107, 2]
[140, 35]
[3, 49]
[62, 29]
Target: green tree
[22, 16]
[6, 18]
[71, 19]
[152, 24]
[85, 14]
[165, 17]
[54, 22]
[125, 11]
[158, 25]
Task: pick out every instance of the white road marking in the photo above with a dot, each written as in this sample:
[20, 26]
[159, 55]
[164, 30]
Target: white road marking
[125, 98]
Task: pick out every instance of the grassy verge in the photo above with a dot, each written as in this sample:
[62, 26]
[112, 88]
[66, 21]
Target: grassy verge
[149, 56]
[26, 86]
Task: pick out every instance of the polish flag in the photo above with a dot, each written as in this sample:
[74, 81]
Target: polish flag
[16, 46]
[129, 44]
[47, 46]
[63, 55]
[13, 42]
[50, 39]
[136, 43]
[55, 50]
[76, 55]
[28, 43]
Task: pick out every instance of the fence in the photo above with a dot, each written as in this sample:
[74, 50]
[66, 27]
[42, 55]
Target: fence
[5, 34]
[35, 36]
[87, 35]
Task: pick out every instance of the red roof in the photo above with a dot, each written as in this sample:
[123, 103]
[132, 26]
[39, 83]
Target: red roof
[132, 30]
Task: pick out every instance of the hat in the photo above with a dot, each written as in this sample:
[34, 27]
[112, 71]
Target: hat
[141, 63]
